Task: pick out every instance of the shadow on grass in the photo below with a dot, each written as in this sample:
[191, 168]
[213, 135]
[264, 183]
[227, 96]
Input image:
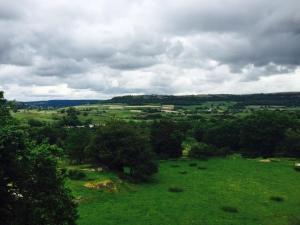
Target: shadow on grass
[277, 198]
[202, 168]
[175, 189]
[182, 172]
[229, 209]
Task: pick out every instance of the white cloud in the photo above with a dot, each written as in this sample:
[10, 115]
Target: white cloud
[99, 48]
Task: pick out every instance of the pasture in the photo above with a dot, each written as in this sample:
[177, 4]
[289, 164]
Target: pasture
[219, 191]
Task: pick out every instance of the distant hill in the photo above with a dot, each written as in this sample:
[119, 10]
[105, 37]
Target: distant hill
[280, 99]
[56, 103]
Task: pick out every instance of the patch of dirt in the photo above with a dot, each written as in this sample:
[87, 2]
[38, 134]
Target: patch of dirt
[105, 185]
[265, 160]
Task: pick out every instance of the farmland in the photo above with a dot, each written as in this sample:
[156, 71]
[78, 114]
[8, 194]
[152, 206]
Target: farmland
[211, 163]
[208, 187]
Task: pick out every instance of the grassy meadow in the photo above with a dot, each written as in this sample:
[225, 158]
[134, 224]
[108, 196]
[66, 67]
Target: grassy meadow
[218, 191]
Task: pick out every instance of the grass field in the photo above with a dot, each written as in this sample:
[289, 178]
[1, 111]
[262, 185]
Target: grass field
[231, 191]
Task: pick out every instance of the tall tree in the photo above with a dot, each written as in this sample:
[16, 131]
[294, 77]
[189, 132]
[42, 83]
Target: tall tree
[166, 138]
[120, 145]
[32, 190]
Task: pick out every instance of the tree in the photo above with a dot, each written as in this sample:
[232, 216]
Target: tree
[76, 142]
[4, 111]
[32, 190]
[71, 118]
[223, 134]
[120, 146]
[291, 144]
[166, 138]
[262, 132]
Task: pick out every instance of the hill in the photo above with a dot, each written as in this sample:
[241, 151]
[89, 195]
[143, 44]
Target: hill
[280, 99]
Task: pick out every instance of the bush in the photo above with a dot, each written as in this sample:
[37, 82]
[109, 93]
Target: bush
[76, 175]
[202, 150]
[35, 123]
[175, 189]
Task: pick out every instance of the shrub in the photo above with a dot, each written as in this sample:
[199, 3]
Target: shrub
[175, 189]
[277, 198]
[230, 209]
[202, 150]
[76, 174]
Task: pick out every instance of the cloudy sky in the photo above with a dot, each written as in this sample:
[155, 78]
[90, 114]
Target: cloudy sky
[96, 49]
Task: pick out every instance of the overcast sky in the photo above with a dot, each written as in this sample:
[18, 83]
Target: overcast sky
[96, 49]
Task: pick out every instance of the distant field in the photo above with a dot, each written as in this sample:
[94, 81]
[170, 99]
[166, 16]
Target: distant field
[43, 115]
[215, 192]
[98, 113]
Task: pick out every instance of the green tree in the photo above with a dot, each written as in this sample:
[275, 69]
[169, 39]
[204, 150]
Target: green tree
[223, 134]
[32, 190]
[120, 146]
[71, 118]
[76, 142]
[291, 144]
[262, 132]
[166, 138]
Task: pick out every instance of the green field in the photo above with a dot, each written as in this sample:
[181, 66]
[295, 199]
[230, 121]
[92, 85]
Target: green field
[242, 184]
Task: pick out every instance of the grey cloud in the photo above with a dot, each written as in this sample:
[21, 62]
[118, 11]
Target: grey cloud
[268, 30]
[162, 47]
[60, 67]
[10, 11]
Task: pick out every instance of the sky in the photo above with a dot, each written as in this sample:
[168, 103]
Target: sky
[97, 49]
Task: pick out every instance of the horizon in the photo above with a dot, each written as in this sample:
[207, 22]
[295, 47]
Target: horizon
[87, 99]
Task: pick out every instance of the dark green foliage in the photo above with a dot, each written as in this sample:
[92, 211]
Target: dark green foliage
[175, 189]
[76, 174]
[262, 132]
[224, 134]
[76, 142]
[202, 150]
[230, 209]
[4, 111]
[31, 186]
[288, 99]
[291, 143]
[50, 133]
[277, 198]
[32, 190]
[118, 145]
[166, 138]
[71, 118]
[35, 123]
